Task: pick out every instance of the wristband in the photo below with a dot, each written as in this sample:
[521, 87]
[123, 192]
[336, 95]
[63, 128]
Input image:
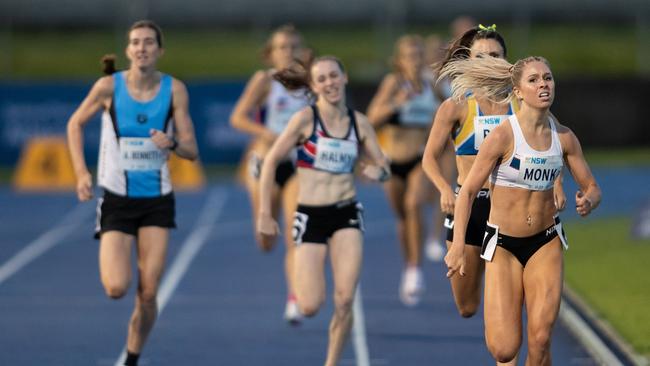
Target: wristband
[174, 144]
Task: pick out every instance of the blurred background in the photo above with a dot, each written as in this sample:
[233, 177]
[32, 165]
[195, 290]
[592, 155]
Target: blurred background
[599, 51]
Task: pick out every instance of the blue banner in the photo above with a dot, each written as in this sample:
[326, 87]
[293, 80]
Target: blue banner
[32, 109]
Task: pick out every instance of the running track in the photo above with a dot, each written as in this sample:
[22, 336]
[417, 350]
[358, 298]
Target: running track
[222, 299]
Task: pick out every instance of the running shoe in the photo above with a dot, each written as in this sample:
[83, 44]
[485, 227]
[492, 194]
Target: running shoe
[292, 313]
[434, 250]
[412, 286]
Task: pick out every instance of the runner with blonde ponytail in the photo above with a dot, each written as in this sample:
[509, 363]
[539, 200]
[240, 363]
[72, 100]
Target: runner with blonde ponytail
[523, 157]
[467, 117]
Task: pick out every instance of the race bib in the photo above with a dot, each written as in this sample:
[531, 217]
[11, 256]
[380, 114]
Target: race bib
[483, 125]
[335, 155]
[490, 241]
[280, 119]
[140, 153]
[539, 172]
[417, 113]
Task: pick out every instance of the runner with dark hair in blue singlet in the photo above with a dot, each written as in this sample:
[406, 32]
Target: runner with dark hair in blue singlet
[145, 119]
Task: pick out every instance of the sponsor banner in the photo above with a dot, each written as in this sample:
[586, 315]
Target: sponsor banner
[31, 109]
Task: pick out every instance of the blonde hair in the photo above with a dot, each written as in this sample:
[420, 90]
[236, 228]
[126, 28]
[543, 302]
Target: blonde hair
[405, 40]
[288, 29]
[489, 77]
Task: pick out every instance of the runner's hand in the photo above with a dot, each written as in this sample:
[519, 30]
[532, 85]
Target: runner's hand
[584, 206]
[267, 229]
[161, 139]
[376, 173]
[85, 186]
[455, 260]
[447, 201]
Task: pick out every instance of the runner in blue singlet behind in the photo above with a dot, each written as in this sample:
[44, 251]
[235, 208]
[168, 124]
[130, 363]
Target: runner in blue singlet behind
[404, 107]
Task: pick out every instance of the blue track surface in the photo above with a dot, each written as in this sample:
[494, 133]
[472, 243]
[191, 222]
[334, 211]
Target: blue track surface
[227, 308]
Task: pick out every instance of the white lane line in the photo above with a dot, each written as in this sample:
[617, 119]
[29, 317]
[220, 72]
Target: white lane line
[46, 241]
[586, 336]
[190, 248]
[359, 330]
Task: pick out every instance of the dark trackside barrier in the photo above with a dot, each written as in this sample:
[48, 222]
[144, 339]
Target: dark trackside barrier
[603, 113]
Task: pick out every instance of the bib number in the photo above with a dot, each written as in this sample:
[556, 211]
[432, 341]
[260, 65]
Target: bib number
[490, 241]
[539, 173]
[335, 156]
[140, 153]
[483, 125]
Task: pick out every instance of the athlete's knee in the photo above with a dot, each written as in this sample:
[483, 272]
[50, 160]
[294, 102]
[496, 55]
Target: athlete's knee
[412, 203]
[343, 301]
[539, 339]
[147, 296]
[309, 309]
[467, 311]
[116, 290]
[503, 353]
[503, 349]
[468, 307]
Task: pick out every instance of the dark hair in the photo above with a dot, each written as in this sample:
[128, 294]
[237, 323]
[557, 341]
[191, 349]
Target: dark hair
[109, 64]
[147, 24]
[459, 48]
[298, 75]
[287, 29]
[109, 60]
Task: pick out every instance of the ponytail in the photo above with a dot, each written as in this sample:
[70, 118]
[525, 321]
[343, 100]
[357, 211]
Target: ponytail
[294, 77]
[108, 62]
[488, 77]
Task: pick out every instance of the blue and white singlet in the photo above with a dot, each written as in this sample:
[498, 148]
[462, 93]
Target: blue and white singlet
[130, 164]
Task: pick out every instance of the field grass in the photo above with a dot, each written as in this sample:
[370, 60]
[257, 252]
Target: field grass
[627, 157]
[610, 271]
[605, 51]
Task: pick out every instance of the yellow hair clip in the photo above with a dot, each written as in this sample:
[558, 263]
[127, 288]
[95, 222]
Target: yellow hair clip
[492, 28]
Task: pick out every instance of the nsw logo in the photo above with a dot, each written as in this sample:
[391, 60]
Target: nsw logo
[142, 118]
[536, 161]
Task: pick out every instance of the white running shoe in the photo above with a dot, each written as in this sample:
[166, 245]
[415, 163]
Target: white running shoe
[412, 286]
[292, 313]
[434, 250]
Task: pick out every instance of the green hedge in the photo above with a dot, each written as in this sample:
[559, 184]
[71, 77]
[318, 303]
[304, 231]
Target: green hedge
[604, 51]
